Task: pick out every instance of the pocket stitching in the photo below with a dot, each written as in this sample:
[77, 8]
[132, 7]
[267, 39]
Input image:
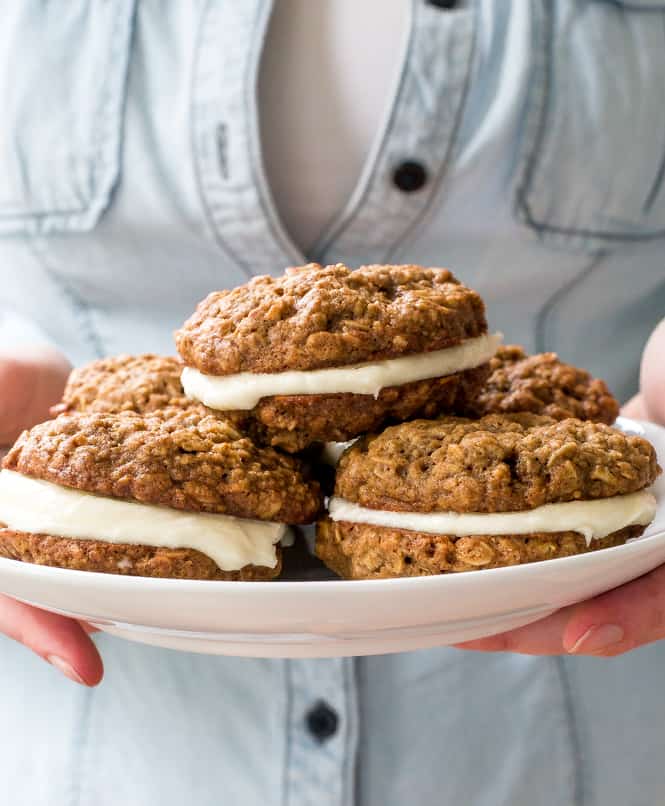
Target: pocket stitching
[537, 116]
[105, 155]
[109, 125]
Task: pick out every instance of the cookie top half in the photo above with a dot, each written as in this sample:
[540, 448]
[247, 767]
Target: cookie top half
[542, 384]
[314, 317]
[180, 460]
[500, 463]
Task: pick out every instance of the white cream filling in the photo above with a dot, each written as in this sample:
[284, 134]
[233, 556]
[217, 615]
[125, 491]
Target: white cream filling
[245, 389]
[593, 519]
[40, 507]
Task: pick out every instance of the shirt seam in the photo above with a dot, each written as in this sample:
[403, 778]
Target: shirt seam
[578, 789]
[551, 304]
[80, 745]
[209, 217]
[360, 193]
[264, 193]
[288, 685]
[545, 44]
[104, 162]
[350, 764]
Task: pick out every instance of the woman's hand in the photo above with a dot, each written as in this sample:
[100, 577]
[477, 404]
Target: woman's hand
[621, 619]
[32, 380]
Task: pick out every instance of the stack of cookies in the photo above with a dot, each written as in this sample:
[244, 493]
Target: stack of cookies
[456, 453]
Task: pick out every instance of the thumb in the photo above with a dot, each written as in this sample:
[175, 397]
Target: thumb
[61, 641]
[652, 375]
[31, 380]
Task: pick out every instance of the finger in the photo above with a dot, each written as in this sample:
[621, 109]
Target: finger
[60, 641]
[31, 381]
[635, 408]
[619, 620]
[652, 375]
[544, 637]
[610, 624]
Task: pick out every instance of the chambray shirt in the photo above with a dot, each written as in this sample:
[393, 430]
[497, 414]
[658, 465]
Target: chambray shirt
[131, 184]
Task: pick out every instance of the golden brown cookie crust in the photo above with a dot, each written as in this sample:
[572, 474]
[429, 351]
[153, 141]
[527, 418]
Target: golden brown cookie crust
[295, 422]
[122, 558]
[141, 384]
[500, 463]
[136, 383]
[314, 317]
[362, 551]
[180, 461]
[542, 384]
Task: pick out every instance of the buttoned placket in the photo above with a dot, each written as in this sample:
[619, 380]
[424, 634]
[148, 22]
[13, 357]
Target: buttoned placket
[322, 732]
[397, 186]
[226, 148]
[406, 171]
[401, 178]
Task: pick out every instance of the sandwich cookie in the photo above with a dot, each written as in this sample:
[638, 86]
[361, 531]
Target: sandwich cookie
[541, 384]
[132, 383]
[172, 495]
[431, 497]
[323, 354]
[538, 384]
[143, 384]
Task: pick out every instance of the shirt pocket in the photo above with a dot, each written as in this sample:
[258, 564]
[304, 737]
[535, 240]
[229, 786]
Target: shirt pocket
[594, 148]
[63, 71]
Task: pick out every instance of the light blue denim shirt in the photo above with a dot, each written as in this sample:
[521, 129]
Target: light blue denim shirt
[132, 184]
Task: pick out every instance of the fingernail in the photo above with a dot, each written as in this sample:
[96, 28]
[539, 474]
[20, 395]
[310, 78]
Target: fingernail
[67, 669]
[596, 639]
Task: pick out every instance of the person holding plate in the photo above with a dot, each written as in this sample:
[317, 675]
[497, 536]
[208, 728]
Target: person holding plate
[151, 154]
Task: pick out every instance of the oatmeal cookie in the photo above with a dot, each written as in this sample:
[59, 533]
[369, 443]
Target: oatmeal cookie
[541, 384]
[171, 459]
[294, 422]
[499, 464]
[124, 558]
[134, 383]
[317, 318]
[142, 384]
[361, 551]
[176, 460]
[313, 317]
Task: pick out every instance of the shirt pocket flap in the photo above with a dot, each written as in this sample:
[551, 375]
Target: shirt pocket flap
[595, 135]
[63, 69]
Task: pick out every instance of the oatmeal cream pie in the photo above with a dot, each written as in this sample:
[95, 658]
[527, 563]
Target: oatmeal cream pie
[438, 496]
[541, 384]
[162, 496]
[137, 383]
[143, 384]
[324, 353]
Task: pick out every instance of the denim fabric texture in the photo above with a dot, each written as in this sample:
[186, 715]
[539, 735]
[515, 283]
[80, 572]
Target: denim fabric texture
[132, 184]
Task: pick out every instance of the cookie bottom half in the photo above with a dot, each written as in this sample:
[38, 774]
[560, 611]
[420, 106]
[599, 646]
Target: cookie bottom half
[123, 558]
[293, 422]
[362, 551]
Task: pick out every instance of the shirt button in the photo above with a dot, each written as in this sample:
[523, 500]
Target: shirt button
[322, 721]
[410, 176]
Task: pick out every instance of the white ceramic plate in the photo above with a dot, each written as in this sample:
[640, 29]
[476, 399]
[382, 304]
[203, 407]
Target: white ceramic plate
[326, 617]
